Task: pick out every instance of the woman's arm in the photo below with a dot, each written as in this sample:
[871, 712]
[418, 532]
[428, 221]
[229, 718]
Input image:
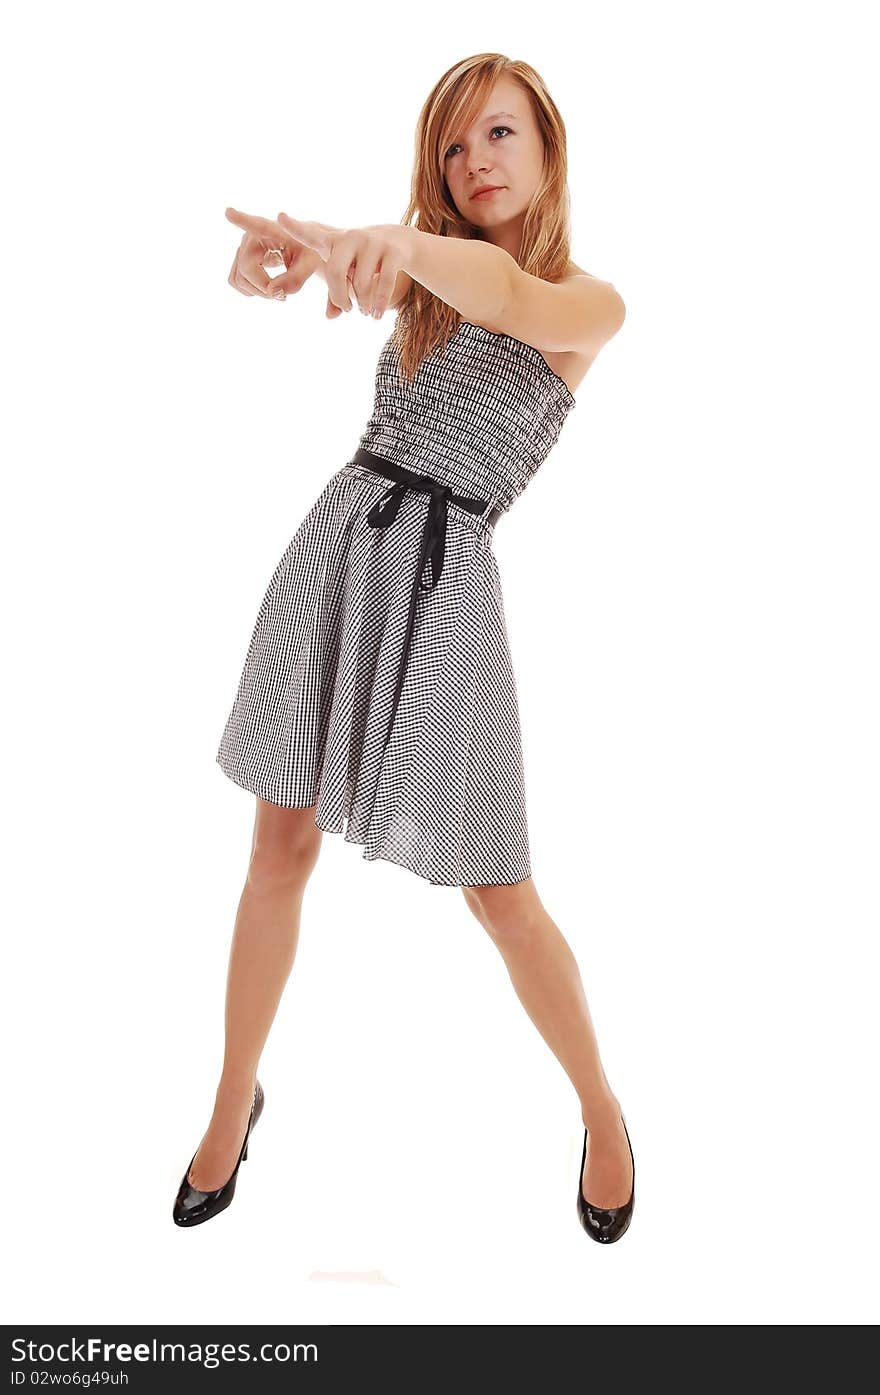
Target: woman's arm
[469, 274]
[486, 285]
[581, 313]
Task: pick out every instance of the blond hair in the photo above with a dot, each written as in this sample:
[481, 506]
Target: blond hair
[425, 322]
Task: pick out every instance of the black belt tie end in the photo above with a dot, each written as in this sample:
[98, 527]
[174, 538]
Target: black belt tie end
[433, 544]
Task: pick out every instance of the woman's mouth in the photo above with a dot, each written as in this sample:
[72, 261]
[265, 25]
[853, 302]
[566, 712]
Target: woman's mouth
[487, 193]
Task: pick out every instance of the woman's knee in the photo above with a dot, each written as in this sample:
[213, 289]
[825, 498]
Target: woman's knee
[285, 846]
[505, 912]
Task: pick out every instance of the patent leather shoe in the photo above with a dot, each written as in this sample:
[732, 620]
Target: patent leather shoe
[605, 1225]
[192, 1207]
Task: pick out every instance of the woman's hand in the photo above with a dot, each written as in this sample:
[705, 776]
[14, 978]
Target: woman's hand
[365, 260]
[260, 236]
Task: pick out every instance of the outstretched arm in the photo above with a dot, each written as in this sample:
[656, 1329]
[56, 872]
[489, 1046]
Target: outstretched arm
[581, 313]
[487, 285]
[470, 275]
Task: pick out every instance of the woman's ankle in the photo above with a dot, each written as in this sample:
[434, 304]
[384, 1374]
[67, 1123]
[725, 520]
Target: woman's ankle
[236, 1085]
[600, 1110]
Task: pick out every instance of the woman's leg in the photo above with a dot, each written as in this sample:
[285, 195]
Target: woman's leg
[284, 852]
[545, 974]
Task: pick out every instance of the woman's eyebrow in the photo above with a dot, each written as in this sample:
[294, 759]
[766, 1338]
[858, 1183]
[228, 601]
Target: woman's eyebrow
[500, 113]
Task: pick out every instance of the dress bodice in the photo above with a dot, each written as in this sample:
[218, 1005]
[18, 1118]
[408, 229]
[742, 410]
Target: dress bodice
[482, 416]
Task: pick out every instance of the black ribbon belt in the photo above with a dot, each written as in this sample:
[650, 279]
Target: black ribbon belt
[433, 544]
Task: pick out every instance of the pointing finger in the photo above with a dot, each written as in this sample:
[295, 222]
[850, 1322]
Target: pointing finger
[259, 227]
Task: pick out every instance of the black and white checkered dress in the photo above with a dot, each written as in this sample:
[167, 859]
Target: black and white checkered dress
[440, 788]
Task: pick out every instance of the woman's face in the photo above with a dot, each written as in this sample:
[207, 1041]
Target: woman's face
[503, 147]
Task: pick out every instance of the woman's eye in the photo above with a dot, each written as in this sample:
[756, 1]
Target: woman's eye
[494, 128]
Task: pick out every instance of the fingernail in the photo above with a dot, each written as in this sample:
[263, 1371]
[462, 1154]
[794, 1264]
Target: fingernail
[377, 314]
[279, 295]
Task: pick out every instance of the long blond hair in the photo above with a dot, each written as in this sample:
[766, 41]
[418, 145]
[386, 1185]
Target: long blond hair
[425, 322]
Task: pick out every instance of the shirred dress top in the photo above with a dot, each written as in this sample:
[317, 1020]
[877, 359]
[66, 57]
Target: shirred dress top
[377, 684]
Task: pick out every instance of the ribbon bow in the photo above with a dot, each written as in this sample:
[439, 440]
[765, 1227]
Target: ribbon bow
[433, 546]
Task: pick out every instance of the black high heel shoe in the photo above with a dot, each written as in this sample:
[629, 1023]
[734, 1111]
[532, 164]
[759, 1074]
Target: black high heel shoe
[191, 1206]
[606, 1226]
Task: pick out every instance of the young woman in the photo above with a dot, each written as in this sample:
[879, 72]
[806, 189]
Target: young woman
[377, 698]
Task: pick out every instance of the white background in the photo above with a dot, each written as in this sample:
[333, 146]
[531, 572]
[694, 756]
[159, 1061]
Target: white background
[690, 588]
